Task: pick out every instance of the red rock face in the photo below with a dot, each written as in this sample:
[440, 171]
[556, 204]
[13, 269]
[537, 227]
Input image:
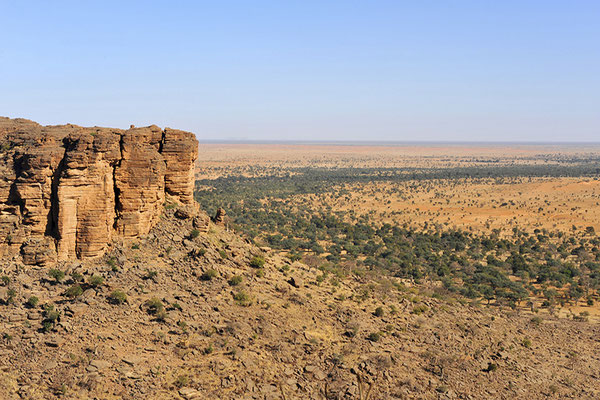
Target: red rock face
[66, 191]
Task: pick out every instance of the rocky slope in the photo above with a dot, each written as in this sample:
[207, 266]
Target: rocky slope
[66, 191]
[162, 303]
[179, 314]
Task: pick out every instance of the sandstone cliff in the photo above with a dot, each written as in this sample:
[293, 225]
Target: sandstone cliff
[66, 191]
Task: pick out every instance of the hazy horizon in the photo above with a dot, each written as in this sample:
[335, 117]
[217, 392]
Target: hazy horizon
[505, 72]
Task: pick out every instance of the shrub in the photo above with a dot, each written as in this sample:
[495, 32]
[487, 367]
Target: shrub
[374, 336]
[223, 254]
[181, 381]
[135, 246]
[536, 320]
[257, 262]
[56, 274]
[194, 233]
[260, 272]
[5, 280]
[32, 302]
[379, 312]
[209, 274]
[96, 280]
[420, 309]
[294, 257]
[10, 296]
[526, 343]
[117, 297]
[154, 305]
[156, 308]
[74, 291]
[77, 277]
[242, 298]
[235, 280]
[51, 316]
[112, 262]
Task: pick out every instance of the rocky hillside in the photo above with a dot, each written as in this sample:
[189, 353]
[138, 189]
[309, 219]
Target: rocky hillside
[113, 285]
[181, 314]
[66, 191]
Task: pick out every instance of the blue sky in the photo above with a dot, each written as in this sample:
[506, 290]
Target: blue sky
[332, 70]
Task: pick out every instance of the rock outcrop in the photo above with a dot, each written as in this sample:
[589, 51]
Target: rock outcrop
[66, 191]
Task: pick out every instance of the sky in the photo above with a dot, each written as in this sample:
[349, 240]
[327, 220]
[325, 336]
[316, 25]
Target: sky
[443, 70]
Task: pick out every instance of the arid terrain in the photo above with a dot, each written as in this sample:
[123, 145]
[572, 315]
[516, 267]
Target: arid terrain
[478, 204]
[303, 273]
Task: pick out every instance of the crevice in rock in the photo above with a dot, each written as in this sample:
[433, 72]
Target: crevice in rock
[117, 191]
[52, 221]
[13, 196]
[162, 141]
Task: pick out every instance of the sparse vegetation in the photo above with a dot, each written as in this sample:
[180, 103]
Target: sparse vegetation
[257, 262]
[117, 297]
[242, 298]
[32, 302]
[209, 275]
[235, 280]
[74, 291]
[96, 281]
[56, 274]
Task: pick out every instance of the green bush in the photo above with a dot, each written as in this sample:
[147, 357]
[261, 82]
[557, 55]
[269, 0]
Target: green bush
[10, 296]
[374, 336]
[112, 262]
[74, 291]
[379, 312]
[51, 317]
[32, 302]
[242, 298]
[235, 280]
[194, 233]
[96, 281]
[5, 280]
[77, 277]
[117, 297]
[181, 381]
[209, 274]
[257, 262]
[155, 307]
[419, 309]
[56, 274]
[536, 320]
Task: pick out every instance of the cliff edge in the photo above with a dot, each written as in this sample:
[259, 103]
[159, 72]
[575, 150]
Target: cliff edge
[66, 191]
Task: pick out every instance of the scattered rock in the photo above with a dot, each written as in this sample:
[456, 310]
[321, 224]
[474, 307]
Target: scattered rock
[296, 281]
[189, 393]
[54, 341]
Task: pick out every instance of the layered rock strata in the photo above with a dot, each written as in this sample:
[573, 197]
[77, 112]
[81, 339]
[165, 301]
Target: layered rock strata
[66, 191]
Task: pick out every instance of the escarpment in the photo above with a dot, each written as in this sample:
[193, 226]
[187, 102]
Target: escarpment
[66, 191]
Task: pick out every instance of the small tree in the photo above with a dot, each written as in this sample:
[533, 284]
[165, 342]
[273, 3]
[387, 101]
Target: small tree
[257, 262]
[56, 274]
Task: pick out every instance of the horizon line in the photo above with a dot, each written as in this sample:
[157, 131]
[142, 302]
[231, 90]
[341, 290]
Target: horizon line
[392, 142]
